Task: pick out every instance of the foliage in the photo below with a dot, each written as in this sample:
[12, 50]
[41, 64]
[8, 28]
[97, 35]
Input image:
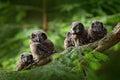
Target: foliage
[64, 66]
[19, 18]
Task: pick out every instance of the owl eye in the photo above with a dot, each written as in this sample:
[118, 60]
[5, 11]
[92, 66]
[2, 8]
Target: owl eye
[77, 27]
[44, 36]
[101, 25]
[92, 25]
[80, 24]
[22, 56]
[31, 57]
[33, 35]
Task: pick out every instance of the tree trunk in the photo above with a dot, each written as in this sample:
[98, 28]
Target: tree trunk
[45, 15]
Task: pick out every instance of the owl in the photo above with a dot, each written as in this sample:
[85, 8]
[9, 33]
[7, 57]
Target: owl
[96, 31]
[78, 34]
[41, 47]
[25, 60]
[68, 42]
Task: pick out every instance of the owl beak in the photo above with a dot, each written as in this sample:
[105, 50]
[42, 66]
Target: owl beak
[97, 29]
[38, 39]
[25, 60]
[78, 30]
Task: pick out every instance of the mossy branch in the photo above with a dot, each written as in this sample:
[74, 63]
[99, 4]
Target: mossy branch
[105, 43]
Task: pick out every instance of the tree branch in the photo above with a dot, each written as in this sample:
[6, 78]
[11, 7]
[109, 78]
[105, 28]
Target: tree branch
[105, 43]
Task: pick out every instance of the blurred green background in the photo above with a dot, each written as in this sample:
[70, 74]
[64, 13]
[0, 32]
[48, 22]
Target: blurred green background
[18, 18]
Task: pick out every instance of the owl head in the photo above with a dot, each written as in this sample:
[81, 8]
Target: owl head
[97, 26]
[38, 36]
[27, 58]
[77, 28]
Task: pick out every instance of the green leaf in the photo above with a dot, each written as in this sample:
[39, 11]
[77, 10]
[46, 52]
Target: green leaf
[21, 14]
[94, 65]
[101, 56]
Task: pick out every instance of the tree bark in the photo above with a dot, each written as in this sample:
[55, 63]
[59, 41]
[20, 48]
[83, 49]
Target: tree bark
[105, 43]
[45, 15]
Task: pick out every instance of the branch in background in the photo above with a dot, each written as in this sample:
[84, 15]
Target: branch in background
[45, 15]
